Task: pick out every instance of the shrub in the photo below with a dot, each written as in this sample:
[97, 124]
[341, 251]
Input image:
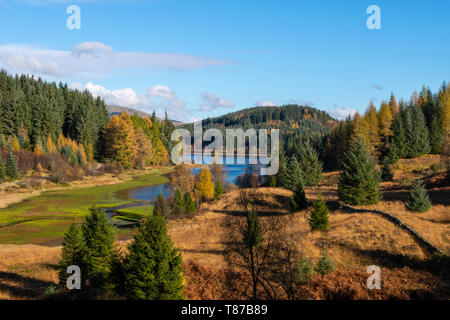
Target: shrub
[218, 189]
[319, 216]
[303, 271]
[418, 198]
[325, 264]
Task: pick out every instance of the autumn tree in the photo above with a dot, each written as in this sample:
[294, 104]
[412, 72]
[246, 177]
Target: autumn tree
[385, 119]
[119, 141]
[204, 187]
[181, 178]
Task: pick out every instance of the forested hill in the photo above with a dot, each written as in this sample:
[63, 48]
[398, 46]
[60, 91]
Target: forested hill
[296, 123]
[284, 117]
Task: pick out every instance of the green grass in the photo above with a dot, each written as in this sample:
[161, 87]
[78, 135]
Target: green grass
[48, 215]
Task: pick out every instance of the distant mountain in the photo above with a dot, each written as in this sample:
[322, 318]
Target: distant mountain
[116, 110]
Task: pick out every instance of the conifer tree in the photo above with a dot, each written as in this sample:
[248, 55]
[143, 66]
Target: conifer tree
[218, 189]
[385, 119]
[293, 174]
[359, 179]
[179, 201]
[100, 254]
[252, 236]
[394, 105]
[204, 187]
[319, 216]
[189, 204]
[2, 141]
[281, 174]
[15, 145]
[160, 205]
[73, 252]
[399, 138]
[386, 172]
[310, 166]
[416, 132]
[153, 269]
[419, 200]
[11, 167]
[2, 169]
[298, 200]
[436, 134]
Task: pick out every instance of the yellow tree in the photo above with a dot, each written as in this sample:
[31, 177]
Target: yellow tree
[204, 187]
[385, 120]
[360, 129]
[393, 105]
[371, 117]
[38, 149]
[60, 142]
[50, 146]
[15, 145]
[89, 152]
[444, 98]
[118, 141]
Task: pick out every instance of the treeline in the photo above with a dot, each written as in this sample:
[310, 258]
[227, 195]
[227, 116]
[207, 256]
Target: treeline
[396, 130]
[45, 126]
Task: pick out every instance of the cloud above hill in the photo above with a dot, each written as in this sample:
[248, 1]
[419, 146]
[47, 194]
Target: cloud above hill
[92, 60]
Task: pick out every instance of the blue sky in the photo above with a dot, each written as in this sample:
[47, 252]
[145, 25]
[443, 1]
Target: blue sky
[205, 58]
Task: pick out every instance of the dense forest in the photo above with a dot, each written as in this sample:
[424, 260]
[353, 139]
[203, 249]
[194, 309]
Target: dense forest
[45, 126]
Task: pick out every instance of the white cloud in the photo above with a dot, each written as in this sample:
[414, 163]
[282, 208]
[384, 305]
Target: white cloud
[342, 113]
[159, 98]
[126, 97]
[265, 103]
[91, 60]
[210, 101]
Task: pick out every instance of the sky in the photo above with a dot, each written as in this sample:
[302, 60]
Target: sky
[198, 59]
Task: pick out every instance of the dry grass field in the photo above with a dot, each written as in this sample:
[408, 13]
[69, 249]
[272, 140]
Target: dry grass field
[354, 241]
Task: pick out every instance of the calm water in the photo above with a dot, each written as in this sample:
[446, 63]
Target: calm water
[150, 193]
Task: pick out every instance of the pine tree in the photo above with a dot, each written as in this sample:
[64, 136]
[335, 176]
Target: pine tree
[273, 182]
[2, 141]
[394, 105]
[15, 145]
[325, 264]
[419, 200]
[436, 134]
[189, 204]
[386, 172]
[399, 138]
[160, 205]
[73, 252]
[281, 174]
[319, 216]
[252, 236]
[153, 269]
[11, 167]
[385, 119]
[359, 179]
[204, 187]
[298, 200]
[2, 169]
[416, 132]
[293, 174]
[218, 189]
[179, 202]
[100, 254]
[310, 166]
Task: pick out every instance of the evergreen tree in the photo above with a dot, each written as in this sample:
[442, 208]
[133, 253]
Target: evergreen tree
[273, 182]
[11, 167]
[399, 138]
[2, 169]
[2, 142]
[310, 166]
[319, 215]
[416, 132]
[189, 204]
[100, 254]
[386, 172]
[436, 134]
[160, 205]
[179, 202]
[293, 174]
[418, 198]
[298, 200]
[153, 269]
[281, 174]
[73, 252]
[252, 236]
[218, 189]
[325, 264]
[359, 179]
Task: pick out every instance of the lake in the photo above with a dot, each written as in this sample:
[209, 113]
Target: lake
[150, 193]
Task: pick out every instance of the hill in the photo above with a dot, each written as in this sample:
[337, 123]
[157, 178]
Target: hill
[116, 110]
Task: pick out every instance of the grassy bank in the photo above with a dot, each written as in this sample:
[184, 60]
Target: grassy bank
[43, 219]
